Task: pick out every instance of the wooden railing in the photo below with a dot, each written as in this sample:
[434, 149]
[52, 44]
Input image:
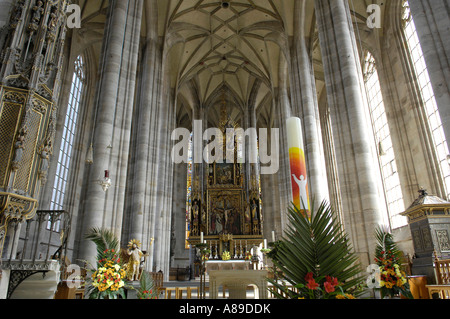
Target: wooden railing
[442, 287]
[442, 271]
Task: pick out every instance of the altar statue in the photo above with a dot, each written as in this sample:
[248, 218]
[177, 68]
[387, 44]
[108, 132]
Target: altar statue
[254, 210]
[135, 259]
[195, 210]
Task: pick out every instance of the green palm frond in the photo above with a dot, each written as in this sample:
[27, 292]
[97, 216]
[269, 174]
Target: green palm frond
[104, 239]
[317, 244]
[385, 242]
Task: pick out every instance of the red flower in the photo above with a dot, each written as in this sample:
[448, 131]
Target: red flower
[309, 276]
[312, 284]
[329, 287]
[333, 281]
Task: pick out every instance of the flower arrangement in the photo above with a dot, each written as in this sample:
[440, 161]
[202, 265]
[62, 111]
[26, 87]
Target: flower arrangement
[391, 276]
[108, 280]
[110, 274]
[393, 280]
[321, 288]
[248, 256]
[226, 256]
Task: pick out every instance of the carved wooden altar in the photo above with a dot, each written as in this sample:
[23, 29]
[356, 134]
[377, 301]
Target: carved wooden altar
[228, 211]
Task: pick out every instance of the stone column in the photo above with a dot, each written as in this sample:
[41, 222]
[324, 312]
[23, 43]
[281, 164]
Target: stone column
[307, 107]
[144, 215]
[284, 111]
[146, 120]
[348, 105]
[118, 69]
[431, 19]
[5, 11]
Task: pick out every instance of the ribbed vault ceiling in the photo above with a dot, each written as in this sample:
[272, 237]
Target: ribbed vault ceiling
[225, 49]
[217, 49]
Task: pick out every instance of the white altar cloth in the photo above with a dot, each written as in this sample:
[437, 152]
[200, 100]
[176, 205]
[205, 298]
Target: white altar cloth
[227, 265]
[237, 282]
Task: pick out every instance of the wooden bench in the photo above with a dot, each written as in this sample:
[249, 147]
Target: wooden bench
[442, 287]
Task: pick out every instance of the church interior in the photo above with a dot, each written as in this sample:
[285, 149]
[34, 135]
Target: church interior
[114, 141]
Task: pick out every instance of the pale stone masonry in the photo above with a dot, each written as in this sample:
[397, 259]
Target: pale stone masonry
[153, 65]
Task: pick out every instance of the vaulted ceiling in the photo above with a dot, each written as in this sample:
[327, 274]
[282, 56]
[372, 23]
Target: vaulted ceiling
[235, 50]
[225, 49]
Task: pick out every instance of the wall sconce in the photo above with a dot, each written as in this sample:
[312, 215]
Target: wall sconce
[105, 183]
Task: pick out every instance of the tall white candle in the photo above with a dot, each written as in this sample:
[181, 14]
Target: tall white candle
[273, 236]
[201, 237]
[299, 178]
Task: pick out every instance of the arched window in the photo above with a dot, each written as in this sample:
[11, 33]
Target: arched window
[68, 136]
[386, 155]
[427, 95]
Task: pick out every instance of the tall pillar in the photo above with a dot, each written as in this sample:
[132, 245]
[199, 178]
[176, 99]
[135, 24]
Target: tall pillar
[307, 107]
[116, 87]
[5, 11]
[347, 103]
[431, 20]
[284, 111]
[143, 216]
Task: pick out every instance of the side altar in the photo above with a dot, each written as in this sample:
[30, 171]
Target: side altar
[226, 209]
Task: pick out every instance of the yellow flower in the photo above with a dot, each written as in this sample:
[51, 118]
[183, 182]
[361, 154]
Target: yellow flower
[389, 285]
[346, 296]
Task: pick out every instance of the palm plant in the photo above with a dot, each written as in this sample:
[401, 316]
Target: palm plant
[392, 279]
[107, 280]
[147, 288]
[104, 239]
[315, 258]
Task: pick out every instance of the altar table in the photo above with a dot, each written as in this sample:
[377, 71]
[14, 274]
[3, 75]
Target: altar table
[227, 265]
[237, 282]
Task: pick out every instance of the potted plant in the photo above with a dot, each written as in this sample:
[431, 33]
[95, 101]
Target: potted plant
[108, 279]
[392, 280]
[147, 289]
[314, 258]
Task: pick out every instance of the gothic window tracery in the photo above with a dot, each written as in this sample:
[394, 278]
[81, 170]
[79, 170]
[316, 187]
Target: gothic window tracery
[386, 155]
[68, 137]
[427, 95]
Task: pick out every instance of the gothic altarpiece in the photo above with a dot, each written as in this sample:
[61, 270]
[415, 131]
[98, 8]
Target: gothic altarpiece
[229, 214]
